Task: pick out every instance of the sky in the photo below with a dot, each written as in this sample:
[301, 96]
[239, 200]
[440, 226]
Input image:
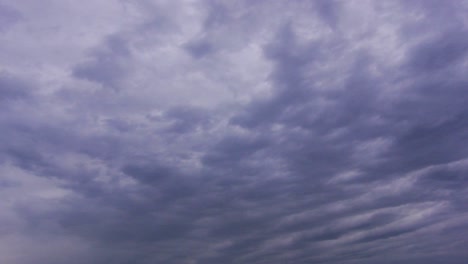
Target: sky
[253, 132]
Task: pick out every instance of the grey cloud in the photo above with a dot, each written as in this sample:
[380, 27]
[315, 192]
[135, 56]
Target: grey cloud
[8, 17]
[343, 153]
[148, 174]
[233, 149]
[328, 11]
[13, 88]
[187, 119]
[435, 54]
[289, 64]
[200, 48]
[106, 66]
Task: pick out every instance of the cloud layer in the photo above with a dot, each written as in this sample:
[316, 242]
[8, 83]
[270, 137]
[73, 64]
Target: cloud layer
[233, 132]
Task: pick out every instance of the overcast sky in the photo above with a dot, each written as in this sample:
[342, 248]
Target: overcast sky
[243, 132]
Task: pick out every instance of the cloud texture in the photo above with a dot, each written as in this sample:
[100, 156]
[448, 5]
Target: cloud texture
[233, 132]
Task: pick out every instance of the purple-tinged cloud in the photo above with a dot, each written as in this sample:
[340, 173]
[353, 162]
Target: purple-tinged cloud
[233, 132]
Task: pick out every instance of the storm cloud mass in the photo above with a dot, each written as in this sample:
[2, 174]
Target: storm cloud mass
[276, 132]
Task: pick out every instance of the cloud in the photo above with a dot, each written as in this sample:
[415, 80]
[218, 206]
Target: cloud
[105, 67]
[13, 88]
[8, 17]
[207, 132]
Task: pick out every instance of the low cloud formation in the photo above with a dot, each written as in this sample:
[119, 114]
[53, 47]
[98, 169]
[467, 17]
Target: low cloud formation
[233, 132]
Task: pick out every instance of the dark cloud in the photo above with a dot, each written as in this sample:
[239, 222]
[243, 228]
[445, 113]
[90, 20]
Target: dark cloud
[199, 49]
[8, 17]
[328, 11]
[233, 135]
[106, 66]
[438, 53]
[187, 119]
[13, 88]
